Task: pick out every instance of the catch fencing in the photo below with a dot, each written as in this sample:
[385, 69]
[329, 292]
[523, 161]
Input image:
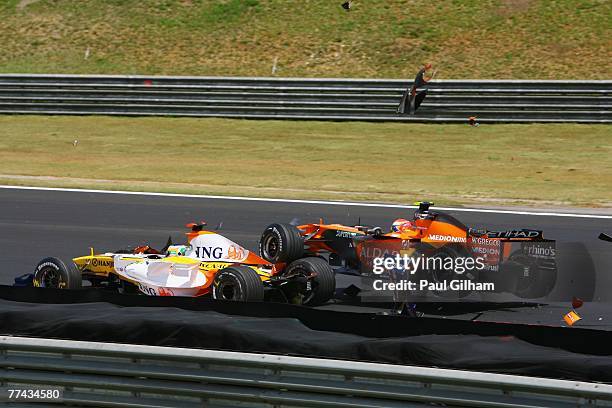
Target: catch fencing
[302, 98]
[120, 375]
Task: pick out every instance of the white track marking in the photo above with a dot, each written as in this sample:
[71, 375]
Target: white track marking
[283, 200]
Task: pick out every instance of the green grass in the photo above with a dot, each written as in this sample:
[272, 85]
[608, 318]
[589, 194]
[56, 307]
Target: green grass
[544, 164]
[314, 38]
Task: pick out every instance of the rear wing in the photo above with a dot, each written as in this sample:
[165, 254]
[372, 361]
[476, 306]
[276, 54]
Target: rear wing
[509, 235]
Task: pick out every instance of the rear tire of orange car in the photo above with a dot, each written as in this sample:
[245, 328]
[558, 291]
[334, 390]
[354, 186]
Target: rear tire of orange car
[281, 243]
[53, 273]
[238, 283]
[323, 284]
[542, 278]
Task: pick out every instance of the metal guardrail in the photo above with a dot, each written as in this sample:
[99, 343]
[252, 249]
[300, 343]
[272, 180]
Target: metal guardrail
[299, 98]
[119, 375]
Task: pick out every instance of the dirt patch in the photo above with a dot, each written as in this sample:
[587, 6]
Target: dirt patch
[25, 3]
[509, 7]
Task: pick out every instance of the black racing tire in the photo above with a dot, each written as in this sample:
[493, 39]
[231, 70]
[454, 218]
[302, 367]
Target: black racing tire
[540, 279]
[281, 243]
[322, 287]
[238, 283]
[54, 273]
[442, 275]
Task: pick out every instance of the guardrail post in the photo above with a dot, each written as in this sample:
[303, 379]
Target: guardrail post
[205, 367]
[3, 354]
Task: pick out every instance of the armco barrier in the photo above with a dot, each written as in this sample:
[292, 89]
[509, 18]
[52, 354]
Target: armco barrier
[119, 375]
[300, 98]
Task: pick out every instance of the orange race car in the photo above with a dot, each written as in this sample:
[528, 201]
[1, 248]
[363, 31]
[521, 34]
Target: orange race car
[518, 261]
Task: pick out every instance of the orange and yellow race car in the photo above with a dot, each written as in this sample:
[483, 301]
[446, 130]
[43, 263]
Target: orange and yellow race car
[518, 261]
[210, 264]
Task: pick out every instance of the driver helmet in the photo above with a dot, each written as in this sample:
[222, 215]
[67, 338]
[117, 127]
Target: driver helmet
[177, 250]
[401, 225]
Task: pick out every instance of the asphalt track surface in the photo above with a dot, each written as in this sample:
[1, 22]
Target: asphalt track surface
[40, 223]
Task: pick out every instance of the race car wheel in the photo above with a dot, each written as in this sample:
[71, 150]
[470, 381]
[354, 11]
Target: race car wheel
[321, 283]
[238, 283]
[442, 276]
[281, 243]
[534, 278]
[53, 273]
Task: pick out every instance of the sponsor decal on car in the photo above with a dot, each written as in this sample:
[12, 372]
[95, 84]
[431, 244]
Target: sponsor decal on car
[484, 241]
[546, 251]
[153, 291]
[345, 234]
[95, 262]
[165, 292]
[209, 252]
[520, 234]
[207, 266]
[44, 264]
[445, 238]
[214, 247]
[147, 290]
[235, 252]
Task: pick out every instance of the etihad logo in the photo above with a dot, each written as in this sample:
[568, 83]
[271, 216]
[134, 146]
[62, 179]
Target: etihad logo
[514, 234]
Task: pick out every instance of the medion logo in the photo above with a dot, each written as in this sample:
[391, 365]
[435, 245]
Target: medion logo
[446, 238]
[209, 252]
